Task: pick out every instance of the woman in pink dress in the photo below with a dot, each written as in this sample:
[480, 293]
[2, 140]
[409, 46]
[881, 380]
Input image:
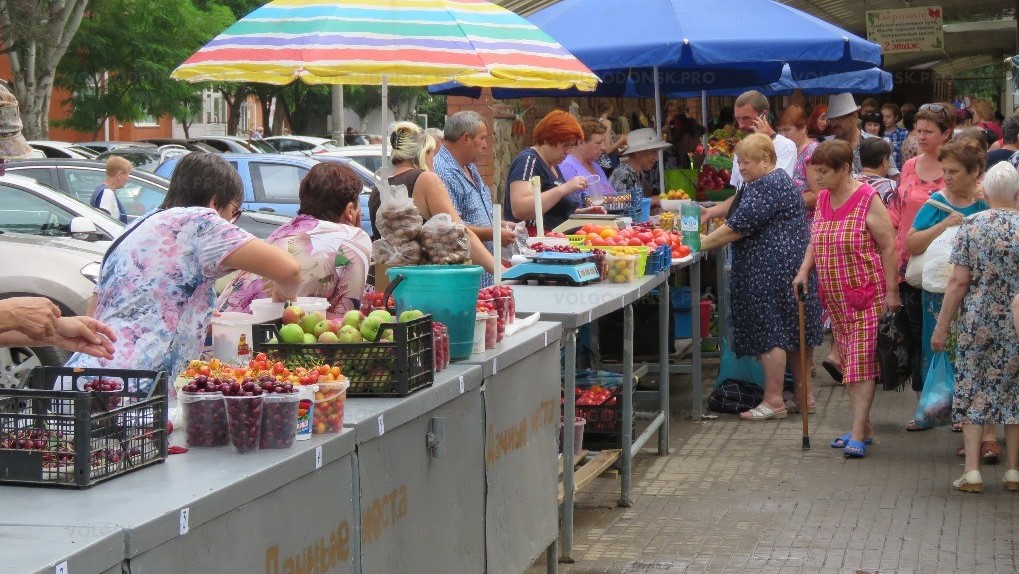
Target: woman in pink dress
[853, 247]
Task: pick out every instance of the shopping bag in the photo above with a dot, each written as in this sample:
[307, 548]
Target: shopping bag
[735, 368]
[936, 266]
[894, 350]
[734, 396]
[935, 408]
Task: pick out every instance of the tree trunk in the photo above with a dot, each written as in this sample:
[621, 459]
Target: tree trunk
[280, 116]
[233, 110]
[186, 126]
[36, 36]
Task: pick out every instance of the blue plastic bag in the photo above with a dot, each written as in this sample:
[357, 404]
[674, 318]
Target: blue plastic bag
[747, 369]
[935, 407]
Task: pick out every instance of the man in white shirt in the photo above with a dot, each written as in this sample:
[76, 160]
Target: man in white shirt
[105, 197]
[751, 111]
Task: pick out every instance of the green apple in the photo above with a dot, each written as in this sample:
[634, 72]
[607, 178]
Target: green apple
[273, 341]
[382, 315]
[410, 315]
[310, 339]
[350, 334]
[328, 338]
[321, 327]
[310, 320]
[352, 318]
[292, 314]
[370, 327]
[387, 334]
[292, 334]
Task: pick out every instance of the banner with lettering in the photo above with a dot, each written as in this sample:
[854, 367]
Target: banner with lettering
[906, 30]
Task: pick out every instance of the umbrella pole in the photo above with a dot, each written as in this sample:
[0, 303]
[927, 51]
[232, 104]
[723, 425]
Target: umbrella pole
[385, 124]
[704, 116]
[658, 130]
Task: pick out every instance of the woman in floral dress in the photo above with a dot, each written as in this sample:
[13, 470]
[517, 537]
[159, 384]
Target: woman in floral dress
[853, 248]
[155, 287]
[327, 240]
[983, 285]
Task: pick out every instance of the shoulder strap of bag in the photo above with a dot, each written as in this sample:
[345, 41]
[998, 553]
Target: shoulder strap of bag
[942, 206]
[120, 239]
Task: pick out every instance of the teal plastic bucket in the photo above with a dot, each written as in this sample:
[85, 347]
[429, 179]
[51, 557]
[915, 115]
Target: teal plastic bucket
[448, 292]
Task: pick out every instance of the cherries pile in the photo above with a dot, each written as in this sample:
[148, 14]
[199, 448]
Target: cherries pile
[205, 419]
[244, 414]
[279, 414]
[105, 386]
[542, 248]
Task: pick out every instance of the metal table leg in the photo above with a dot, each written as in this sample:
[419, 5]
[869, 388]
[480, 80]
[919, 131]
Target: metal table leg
[551, 563]
[663, 366]
[569, 411]
[626, 442]
[695, 335]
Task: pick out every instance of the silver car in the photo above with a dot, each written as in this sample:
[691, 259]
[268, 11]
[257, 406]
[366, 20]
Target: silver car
[53, 247]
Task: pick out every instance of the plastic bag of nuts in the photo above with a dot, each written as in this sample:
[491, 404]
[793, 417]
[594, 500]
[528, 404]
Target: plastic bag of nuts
[395, 255]
[444, 241]
[398, 219]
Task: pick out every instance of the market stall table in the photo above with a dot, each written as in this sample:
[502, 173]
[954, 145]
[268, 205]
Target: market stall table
[420, 475]
[573, 307]
[209, 510]
[31, 549]
[521, 392]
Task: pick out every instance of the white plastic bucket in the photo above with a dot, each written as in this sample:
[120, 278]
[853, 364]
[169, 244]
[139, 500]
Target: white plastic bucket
[231, 334]
[312, 304]
[265, 310]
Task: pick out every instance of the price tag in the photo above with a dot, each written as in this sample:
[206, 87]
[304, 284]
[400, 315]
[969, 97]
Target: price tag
[546, 339]
[60, 568]
[318, 457]
[185, 513]
[495, 365]
[461, 384]
[382, 426]
[590, 316]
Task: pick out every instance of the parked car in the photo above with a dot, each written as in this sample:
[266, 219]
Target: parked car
[145, 159]
[301, 145]
[63, 149]
[186, 144]
[100, 147]
[370, 156]
[143, 193]
[58, 245]
[234, 144]
[272, 181]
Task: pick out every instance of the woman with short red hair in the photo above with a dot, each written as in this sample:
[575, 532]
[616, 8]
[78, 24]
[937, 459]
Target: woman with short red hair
[555, 136]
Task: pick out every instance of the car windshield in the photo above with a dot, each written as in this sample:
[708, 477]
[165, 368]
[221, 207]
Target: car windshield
[261, 146]
[26, 212]
[143, 160]
[331, 145]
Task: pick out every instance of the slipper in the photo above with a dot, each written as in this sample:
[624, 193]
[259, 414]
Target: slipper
[855, 449]
[914, 426]
[794, 408]
[833, 370]
[957, 427]
[763, 412]
[969, 482]
[841, 441]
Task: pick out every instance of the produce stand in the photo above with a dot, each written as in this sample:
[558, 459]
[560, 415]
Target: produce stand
[521, 393]
[33, 549]
[420, 476]
[574, 307]
[209, 510]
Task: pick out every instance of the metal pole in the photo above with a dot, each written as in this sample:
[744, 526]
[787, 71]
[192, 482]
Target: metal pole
[338, 127]
[664, 373]
[695, 334]
[658, 130]
[704, 116]
[386, 163]
[569, 412]
[626, 438]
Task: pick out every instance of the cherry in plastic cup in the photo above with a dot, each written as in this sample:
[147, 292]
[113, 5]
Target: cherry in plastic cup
[244, 415]
[279, 420]
[205, 420]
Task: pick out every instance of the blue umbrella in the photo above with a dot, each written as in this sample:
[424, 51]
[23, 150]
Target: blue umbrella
[872, 81]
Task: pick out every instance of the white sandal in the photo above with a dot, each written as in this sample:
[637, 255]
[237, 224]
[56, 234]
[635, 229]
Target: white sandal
[763, 412]
[969, 482]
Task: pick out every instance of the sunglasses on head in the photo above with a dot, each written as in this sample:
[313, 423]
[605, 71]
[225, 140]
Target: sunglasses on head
[933, 107]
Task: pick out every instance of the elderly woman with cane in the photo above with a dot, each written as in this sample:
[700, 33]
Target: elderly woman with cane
[983, 285]
[769, 237]
[853, 247]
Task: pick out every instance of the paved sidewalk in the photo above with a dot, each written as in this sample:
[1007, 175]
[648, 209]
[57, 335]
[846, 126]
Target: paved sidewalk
[738, 496]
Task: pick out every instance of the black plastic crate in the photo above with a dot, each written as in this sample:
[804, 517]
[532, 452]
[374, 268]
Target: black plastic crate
[392, 369]
[76, 439]
[604, 426]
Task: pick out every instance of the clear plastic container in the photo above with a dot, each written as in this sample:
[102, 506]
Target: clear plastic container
[244, 415]
[493, 330]
[620, 268]
[329, 402]
[480, 332]
[205, 420]
[279, 420]
[440, 346]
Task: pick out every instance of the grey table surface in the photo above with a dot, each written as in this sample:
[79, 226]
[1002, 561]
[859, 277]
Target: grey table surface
[574, 306]
[516, 348]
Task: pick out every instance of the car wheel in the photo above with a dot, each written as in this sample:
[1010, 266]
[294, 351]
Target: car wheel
[16, 363]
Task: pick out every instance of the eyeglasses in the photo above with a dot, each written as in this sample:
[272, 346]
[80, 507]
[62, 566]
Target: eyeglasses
[933, 107]
[236, 213]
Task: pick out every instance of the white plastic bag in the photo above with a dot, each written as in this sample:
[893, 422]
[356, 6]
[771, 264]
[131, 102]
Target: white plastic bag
[397, 219]
[445, 242]
[396, 255]
[936, 266]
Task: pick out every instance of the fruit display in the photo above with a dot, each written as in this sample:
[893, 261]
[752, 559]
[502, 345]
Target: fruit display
[279, 417]
[638, 235]
[613, 202]
[620, 268]
[101, 385]
[600, 407]
[503, 303]
[667, 221]
[374, 300]
[675, 194]
[712, 224]
[244, 403]
[329, 402]
[540, 247]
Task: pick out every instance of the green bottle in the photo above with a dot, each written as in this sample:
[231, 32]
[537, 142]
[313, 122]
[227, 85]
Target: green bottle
[690, 225]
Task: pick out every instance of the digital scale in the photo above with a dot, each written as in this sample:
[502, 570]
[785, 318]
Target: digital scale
[568, 268]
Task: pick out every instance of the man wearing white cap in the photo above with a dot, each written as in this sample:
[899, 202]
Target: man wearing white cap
[842, 117]
[751, 111]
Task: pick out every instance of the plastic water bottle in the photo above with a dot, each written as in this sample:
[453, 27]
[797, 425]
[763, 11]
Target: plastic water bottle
[690, 225]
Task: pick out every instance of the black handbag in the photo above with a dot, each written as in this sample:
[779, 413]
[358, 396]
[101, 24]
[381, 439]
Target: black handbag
[894, 350]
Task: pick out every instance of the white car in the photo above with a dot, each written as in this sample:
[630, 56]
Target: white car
[53, 246]
[62, 149]
[370, 156]
[301, 145]
[234, 144]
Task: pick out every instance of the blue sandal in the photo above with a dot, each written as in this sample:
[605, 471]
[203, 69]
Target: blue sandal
[855, 449]
[841, 441]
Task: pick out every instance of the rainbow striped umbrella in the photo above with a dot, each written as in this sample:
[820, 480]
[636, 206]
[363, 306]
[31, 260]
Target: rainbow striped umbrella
[396, 42]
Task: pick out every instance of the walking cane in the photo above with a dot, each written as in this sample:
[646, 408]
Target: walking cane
[804, 371]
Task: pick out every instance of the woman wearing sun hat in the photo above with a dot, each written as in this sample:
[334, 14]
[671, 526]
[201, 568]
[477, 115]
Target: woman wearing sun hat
[640, 157]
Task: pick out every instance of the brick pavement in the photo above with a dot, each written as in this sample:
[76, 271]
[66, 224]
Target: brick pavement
[738, 496]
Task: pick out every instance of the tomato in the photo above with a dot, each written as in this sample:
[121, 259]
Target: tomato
[635, 242]
[261, 357]
[645, 237]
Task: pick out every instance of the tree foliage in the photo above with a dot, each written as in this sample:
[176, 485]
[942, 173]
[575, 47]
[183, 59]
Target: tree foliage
[119, 64]
[36, 34]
